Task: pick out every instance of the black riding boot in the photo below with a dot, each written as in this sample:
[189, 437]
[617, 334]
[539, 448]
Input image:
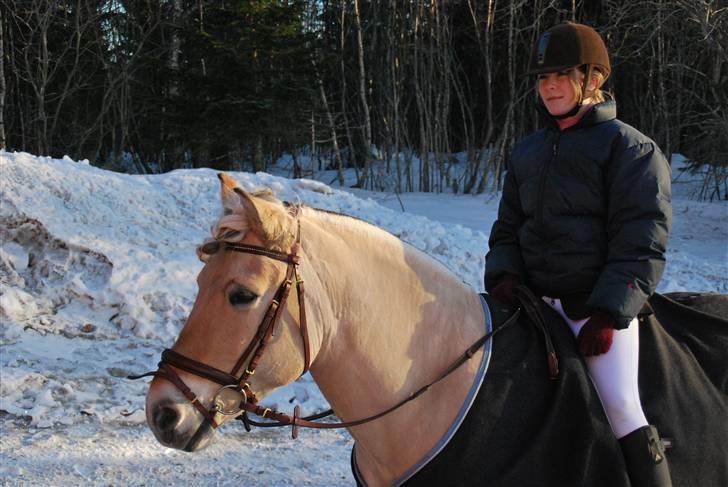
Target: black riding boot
[644, 454]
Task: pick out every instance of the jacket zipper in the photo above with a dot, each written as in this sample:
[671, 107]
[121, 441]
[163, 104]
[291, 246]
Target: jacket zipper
[544, 175]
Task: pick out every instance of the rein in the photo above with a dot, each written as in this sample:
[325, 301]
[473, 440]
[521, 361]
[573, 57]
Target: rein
[231, 382]
[283, 419]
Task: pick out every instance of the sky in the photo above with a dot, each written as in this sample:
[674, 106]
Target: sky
[97, 276]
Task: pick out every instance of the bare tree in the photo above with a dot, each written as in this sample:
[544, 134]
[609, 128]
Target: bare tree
[331, 124]
[367, 135]
[3, 85]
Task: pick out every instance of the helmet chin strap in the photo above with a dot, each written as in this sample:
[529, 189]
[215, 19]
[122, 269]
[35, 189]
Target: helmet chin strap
[571, 112]
[580, 101]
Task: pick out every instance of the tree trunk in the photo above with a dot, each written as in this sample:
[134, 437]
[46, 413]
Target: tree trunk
[363, 96]
[332, 126]
[3, 142]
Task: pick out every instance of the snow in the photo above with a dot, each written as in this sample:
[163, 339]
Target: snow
[97, 275]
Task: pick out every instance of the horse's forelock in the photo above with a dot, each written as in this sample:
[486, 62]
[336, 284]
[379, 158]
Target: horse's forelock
[278, 231]
[231, 227]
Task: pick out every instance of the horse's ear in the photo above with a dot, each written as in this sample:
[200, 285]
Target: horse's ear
[230, 199]
[267, 218]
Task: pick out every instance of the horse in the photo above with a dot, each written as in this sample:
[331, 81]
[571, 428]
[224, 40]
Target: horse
[408, 358]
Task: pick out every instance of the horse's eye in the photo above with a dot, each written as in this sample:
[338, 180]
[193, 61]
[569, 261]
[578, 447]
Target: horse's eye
[239, 296]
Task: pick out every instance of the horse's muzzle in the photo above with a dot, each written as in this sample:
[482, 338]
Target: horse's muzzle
[178, 425]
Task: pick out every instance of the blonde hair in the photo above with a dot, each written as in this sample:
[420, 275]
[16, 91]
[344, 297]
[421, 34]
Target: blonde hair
[577, 81]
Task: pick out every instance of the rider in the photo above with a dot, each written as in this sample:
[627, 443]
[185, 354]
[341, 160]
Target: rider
[584, 221]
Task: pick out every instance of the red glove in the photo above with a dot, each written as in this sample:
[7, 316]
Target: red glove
[503, 289]
[595, 337]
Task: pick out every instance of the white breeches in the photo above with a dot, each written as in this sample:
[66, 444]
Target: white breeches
[614, 375]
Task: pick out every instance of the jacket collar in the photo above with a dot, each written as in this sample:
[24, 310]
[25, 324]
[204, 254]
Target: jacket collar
[599, 113]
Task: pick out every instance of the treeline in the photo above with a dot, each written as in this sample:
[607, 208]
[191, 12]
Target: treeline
[393, 89]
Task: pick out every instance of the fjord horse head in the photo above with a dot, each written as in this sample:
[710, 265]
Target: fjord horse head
[236, 289]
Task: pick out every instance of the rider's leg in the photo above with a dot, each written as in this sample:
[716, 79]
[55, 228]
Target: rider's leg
[615, 378]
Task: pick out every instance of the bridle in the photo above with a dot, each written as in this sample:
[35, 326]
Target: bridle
[234, 381]
[238, 386]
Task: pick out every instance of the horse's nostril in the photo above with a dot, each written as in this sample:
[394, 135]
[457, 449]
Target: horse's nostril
[166, 418]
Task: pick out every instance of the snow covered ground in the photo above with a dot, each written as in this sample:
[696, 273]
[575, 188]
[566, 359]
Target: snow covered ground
[97, 275]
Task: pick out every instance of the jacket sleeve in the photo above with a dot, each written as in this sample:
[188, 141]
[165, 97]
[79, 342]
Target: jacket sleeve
[504, 255]
[639, 217]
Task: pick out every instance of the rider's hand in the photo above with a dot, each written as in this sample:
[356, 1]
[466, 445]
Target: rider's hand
[503, 289]
[595, 337]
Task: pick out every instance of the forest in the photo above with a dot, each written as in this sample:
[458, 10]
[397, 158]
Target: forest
[418, 95]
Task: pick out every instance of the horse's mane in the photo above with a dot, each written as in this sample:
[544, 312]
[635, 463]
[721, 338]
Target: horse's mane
[351, 217]
[232, 227]
[372, 226]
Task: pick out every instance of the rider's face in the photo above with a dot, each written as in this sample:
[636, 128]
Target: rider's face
[557, 92]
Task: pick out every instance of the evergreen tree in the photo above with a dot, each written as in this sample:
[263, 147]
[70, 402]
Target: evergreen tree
[244, 82]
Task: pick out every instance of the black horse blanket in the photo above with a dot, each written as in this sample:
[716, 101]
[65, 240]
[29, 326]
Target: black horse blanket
[526, 430]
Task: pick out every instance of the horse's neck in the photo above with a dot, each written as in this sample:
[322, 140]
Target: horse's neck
[390, 320]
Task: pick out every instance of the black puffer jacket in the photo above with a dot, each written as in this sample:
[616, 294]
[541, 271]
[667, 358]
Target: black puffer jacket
[585, 212]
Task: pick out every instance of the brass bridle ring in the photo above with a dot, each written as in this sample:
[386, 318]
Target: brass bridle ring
[221, 404]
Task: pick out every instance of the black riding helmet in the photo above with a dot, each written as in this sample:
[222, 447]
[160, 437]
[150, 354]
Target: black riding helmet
[569, 45]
